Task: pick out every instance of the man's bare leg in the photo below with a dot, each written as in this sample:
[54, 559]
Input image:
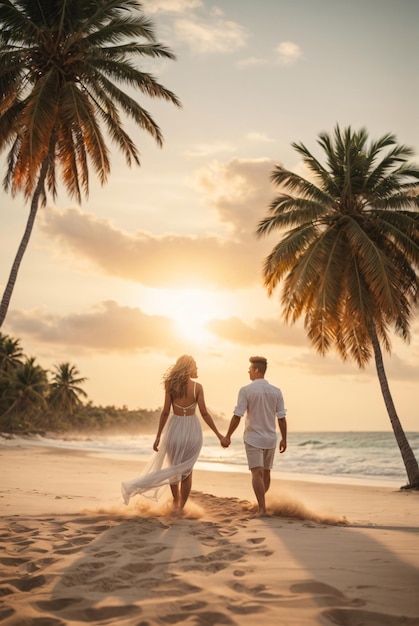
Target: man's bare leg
[258, 483]
[267, 479]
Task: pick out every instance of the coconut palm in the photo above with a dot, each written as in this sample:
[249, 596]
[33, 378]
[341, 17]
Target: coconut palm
[11, 357]
[11, 354]
[62, 65]
[348, 256]
[65, 394]
[27, 389]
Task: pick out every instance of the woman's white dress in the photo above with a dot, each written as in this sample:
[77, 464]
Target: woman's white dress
[179, 449]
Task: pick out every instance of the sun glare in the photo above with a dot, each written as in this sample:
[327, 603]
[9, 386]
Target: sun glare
[190, 310]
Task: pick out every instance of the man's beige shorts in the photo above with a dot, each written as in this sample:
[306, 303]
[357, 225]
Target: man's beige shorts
[259, 457]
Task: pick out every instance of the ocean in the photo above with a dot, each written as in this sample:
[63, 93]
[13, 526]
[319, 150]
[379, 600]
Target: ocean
[363, 458]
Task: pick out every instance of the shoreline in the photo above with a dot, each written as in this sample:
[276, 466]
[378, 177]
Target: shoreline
[128, 453]
[73, 553]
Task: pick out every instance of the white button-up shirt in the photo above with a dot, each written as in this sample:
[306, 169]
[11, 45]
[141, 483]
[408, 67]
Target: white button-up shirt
[262, 403]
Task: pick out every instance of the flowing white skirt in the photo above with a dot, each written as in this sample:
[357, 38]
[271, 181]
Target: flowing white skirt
[179, 449]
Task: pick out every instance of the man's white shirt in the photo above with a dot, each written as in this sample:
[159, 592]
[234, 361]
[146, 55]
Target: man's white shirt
[262, 403]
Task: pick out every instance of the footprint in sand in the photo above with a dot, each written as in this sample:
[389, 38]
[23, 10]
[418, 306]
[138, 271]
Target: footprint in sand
[5, 612]
[326, 594]
[263, 552]
[137, 568]
[58, 604]
[12, 561]
[67, 550]
[193, 606]
[352, 617]
[35, 566]
[106, 554]
[205, 618]
[83, 574]
[245, 608]
[214, 561]
[27, 583]
[104, 613]
[151, 551]
[171, 586]
[257, 590]
[24, 543]
[5, 591]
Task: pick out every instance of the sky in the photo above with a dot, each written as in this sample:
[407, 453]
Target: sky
[163, 260]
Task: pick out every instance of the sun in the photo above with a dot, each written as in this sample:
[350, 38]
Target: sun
[191, 312]
[190, 309]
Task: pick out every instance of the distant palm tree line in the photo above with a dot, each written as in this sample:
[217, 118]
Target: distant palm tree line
[33, 399]
[347, 260]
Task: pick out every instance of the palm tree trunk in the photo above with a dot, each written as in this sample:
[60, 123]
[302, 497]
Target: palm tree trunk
[4, 305]
[406, 451]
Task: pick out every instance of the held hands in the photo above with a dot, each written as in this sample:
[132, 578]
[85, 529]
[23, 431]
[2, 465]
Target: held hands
[225, 441]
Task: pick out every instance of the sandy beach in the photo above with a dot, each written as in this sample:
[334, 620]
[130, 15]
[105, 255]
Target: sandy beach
[72, 553]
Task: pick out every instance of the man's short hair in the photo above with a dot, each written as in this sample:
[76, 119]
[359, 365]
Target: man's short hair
[259, 362]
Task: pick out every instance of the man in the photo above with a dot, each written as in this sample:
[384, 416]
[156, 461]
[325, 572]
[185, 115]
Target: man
[262, 402]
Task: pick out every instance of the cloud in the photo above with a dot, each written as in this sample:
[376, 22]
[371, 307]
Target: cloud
[209, 149]
[170, 6]
[397, 369]
[288, 53]
[211, 35]
[111, 328]
[204, 30]
[261, 137]
[108, 327]
[238, 190]
[166, 261]
[261, 331]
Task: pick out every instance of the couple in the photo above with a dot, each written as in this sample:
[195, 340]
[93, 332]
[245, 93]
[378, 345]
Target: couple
[179, 447]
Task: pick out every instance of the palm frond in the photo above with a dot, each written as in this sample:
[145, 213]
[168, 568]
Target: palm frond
[128, 105]
[126, 73]
[38, 118]
[287, 211]
[77, 111]
[348, 254]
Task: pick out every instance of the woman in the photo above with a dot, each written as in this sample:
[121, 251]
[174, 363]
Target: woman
[179, 447]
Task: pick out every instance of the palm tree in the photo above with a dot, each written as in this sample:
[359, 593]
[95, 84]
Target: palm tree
[65, 394]
[11, 357]
[28, 388]
[348, 257]
[11, 354]
[61, 67]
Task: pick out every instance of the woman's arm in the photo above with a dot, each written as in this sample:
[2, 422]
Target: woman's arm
[204, 412]
[163, 419]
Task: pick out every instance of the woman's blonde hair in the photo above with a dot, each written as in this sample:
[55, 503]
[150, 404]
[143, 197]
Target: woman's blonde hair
[176, 378]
